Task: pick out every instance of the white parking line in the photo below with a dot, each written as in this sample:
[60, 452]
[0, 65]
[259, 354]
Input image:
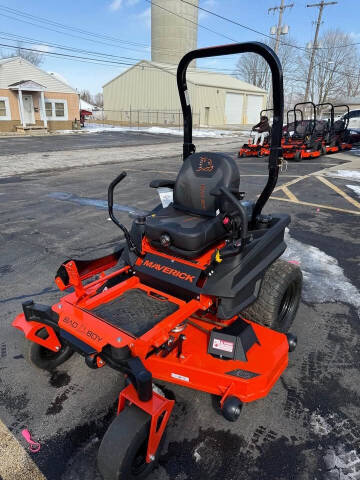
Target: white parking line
[15, 463]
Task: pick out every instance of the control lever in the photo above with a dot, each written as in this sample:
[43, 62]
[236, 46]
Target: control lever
[129, 241]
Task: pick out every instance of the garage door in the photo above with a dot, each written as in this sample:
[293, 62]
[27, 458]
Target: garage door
[234, 108]
[254, 107]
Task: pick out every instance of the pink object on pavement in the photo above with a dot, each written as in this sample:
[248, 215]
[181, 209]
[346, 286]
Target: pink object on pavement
[33, 446]
[294, 261]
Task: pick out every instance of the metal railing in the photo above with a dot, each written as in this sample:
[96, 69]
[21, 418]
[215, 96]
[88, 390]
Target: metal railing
[140, 118]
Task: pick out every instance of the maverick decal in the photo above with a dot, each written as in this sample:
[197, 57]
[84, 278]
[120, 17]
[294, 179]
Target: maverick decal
[205, 165]
[170, 271]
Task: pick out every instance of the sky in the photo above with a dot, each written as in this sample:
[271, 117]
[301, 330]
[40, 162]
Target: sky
[128, 21]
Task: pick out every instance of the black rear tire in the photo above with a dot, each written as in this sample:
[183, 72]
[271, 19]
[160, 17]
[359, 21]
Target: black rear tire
[297, 156]
[43, 358]
[122, 453]
[279, 297]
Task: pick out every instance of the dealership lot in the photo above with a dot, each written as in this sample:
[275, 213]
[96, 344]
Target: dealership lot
[308, 425]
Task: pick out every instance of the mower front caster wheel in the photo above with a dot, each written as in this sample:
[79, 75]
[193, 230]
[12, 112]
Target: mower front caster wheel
[122, 453]
[43, 358]
[231, 408]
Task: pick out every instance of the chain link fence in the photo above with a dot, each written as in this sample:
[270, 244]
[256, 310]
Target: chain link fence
[140, 118]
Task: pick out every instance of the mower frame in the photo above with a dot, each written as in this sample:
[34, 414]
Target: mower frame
[176, 349]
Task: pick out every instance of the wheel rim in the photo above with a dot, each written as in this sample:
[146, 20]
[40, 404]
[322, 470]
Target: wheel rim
[139, 463]
[288, 303]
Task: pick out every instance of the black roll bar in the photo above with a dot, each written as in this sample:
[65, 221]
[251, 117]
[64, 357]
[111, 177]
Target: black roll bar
[328, 104]
[314, 113]
[292, 111]
[278, 105]
[347, 120]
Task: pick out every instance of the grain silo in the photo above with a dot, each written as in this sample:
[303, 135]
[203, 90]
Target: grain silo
[173, 29]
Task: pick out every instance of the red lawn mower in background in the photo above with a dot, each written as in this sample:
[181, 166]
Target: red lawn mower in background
[254, 149]
[196, 295]
[341, 134]
[304, 142]
[329, 138]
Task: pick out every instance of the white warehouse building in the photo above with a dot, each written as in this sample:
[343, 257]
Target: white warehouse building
[146, 91]
[219, 100]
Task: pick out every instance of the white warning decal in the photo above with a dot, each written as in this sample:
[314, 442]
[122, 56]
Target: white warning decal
[223, 345]
[180, 377]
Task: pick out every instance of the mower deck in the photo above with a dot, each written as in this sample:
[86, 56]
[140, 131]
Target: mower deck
[91, 323]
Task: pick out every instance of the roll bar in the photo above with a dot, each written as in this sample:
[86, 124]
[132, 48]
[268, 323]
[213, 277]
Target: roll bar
[278, 103]
[287, 116]
[331, 110]
[314, 113]
[347, 114]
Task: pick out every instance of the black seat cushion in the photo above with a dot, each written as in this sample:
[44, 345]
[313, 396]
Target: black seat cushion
[199, 175]
[194, 220]
[188, 232]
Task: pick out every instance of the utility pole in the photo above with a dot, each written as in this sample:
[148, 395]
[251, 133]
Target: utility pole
[321, 6]
[279, 30]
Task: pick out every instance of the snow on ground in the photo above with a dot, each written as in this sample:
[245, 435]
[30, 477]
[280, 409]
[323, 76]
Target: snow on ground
[97, 128]
[324, 279]
[354, 188]
[354, 175]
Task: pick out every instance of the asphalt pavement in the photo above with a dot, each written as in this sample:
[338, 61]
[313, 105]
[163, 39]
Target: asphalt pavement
[306, 428]
[80, 141]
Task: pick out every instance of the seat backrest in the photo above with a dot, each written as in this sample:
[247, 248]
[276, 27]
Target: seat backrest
[200, 174]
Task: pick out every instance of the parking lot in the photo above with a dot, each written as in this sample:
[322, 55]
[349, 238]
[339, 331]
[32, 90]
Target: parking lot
[306, 428]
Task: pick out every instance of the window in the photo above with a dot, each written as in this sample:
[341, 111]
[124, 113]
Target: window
[48, 109]
[4, 109]
[56, 109]
[59, 109]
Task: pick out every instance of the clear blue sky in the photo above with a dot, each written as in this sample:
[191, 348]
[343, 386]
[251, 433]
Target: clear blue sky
[129, 20]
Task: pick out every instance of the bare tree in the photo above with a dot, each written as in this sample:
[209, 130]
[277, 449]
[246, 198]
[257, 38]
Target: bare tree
[86, 95]
[99, 100]
[252, 68]
[35, 58]
[336, 72]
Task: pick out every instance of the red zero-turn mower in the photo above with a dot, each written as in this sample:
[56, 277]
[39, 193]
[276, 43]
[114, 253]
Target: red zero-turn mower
[254, 149]
[216, 300]
[304, 143]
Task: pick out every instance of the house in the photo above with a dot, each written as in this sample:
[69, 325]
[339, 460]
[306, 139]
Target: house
[32, 99]
[148, 90]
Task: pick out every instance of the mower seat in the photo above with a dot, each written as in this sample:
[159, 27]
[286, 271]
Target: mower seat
[193, 221]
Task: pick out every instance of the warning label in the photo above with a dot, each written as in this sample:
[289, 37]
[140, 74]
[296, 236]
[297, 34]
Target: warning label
[223, 345]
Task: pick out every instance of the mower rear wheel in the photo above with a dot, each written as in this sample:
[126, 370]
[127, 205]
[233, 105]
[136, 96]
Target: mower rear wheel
[122, 453]
[43, 358]
[279, 297]
[297, 156]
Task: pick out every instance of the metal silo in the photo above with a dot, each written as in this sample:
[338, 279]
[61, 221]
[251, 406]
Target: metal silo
[173, 35]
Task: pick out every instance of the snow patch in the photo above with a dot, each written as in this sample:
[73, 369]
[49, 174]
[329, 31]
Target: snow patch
[341, 464]
[97, 128]
[353, 174]
[354, 188]
[324, 279]
[319, 425]
[197, 455]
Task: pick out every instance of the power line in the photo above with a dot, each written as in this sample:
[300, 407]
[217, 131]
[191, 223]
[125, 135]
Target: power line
[257, 31]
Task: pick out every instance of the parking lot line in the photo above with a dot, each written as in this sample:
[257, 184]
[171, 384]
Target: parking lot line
[15, 463]
[318, 205]
[339, 191]
[290, 194]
